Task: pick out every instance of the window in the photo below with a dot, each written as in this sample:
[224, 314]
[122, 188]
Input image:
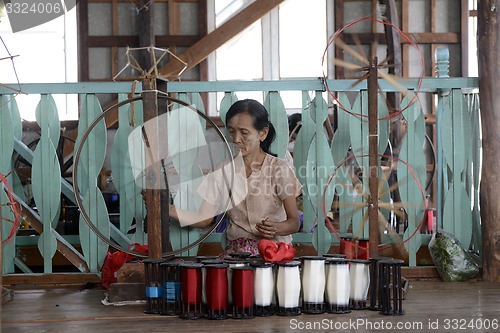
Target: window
[39, 53]
[472, 47]
[254, 54]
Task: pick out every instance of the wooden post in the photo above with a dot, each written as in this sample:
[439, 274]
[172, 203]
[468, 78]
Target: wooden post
[394, 55]
[164, 190]
[146, 31]
[153, 172]
[373, 157]
[489, 86]
[150, 101]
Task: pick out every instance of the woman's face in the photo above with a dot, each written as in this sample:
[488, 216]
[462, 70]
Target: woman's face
[244, 135]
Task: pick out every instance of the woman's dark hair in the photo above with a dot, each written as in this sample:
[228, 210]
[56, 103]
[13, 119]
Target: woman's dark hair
[294, 123]
[260, 118]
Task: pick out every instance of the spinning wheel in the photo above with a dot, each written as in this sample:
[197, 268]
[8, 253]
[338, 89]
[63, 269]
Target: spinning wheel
[152, 146]
[378, 187]
[161, 144]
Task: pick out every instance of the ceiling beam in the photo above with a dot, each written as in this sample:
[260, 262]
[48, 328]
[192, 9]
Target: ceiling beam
[211, 42]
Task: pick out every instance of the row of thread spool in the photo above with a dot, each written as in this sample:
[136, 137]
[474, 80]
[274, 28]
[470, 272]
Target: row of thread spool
[243, 287]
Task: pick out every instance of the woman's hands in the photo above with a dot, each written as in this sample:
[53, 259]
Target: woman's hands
[267, 228]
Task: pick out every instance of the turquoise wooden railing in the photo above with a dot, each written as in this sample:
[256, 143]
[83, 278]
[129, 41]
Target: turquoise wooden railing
[315, 160]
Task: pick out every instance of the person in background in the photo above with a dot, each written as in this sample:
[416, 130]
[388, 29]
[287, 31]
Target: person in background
[294, 125]
[263, 195]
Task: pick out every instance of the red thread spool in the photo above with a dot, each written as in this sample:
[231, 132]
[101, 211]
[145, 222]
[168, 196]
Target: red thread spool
[216, 291]
[205, 263]
[353, 249]
[232, 262]
[191, 290]
[363, 249]
[243, 292]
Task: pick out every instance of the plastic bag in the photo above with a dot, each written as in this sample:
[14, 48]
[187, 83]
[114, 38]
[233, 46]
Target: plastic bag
[452, 262]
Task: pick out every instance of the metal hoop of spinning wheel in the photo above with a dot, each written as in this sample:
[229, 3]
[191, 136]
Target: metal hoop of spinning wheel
[371, 186]
[78, 195]
[8, 209]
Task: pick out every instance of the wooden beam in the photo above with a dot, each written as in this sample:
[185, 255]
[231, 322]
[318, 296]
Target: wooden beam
[153, 198]
[202, 32]
[83, 34]
[419, 38]
[208, 44]
[420, 272]
[133, 41]
[65, 249]
[50, 279]
[339, 23]
[114, 32]
[146, 10]
[488, 27]
[404, 27]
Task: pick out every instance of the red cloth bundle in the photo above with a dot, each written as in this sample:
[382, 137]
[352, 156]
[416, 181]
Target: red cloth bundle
[114, 261]
[274, 252]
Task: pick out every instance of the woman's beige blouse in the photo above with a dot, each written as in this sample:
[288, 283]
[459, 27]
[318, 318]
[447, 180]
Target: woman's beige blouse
[254, 198]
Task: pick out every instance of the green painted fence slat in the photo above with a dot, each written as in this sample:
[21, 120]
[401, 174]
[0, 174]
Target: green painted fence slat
[46, 174]
[92, 158]
[279, 119]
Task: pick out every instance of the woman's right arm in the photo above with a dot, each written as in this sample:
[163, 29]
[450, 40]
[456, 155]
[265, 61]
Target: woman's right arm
[198, 219]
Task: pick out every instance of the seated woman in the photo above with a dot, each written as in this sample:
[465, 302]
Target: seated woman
[262, 197]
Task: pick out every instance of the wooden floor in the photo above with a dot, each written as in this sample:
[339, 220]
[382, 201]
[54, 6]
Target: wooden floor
[430, 306]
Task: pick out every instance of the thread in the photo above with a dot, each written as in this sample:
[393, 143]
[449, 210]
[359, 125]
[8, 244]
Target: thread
[263, 288]
[243, 292]
[216, 291]
[359, 276]
[329, 256]
[288, 288]
[338, 286]
[206, 260]
[232, 262]
[191, 285]
[171, 282]
[313, 284]
[153, 286]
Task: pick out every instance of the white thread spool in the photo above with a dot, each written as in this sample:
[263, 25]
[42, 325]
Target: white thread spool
[329, 256]
[313, 284]
[338, 286]
[288, 288]
[359, 276]
[263, 288]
